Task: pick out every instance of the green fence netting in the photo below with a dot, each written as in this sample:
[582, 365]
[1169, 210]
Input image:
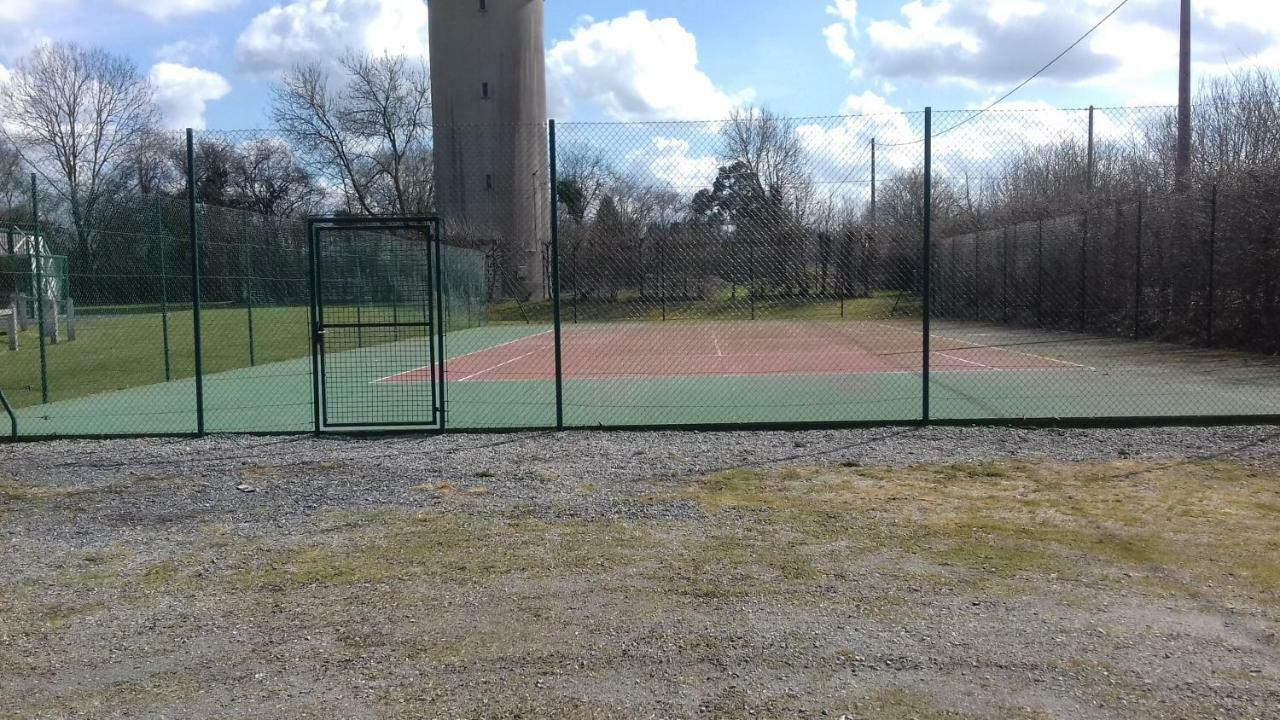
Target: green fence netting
[750, 272]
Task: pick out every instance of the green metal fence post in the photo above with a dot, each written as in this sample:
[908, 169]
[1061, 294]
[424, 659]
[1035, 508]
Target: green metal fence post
[875, 226]
[195, 280]
[1004, 277]
[1084, 271]
[925, 260]
[951, 306]
[1213, 251]
[246, 263]
[39, 293]
[1137, 274]
[662, 277]
[1084, 238]
[1040, 273]
[13, 419]
[555, 272]
[164, 294]
[313, 277]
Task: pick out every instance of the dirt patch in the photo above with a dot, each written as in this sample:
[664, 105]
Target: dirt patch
[991, 588]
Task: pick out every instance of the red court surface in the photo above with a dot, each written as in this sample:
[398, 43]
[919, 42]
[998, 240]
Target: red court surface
[610, 352]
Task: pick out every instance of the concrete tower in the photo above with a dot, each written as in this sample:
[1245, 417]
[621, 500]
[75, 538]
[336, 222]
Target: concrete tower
[489, 97]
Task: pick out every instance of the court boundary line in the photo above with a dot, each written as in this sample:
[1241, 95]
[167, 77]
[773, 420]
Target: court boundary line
[420, 368]
[983, 347]
[971, 362]
[495, 367]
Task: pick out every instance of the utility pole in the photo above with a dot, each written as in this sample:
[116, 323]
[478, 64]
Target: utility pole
[1182, 166]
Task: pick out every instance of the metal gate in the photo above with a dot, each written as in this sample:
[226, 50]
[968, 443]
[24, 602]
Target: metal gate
[377, 319]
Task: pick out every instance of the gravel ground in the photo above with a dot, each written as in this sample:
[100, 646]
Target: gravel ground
[573, 575]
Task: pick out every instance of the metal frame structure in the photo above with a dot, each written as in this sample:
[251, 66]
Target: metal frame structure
[433, 321]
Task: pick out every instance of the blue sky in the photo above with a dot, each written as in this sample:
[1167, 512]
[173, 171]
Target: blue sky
[214, 60]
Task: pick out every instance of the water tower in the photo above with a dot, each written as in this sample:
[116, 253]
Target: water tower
[489, 98]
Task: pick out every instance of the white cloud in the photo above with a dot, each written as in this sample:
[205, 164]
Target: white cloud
[990, 44]
[311, 30]
[183, 93]
[843, 144]
[16, 11]
[840, 34]
[837, 36]
[675, 165]
[4, 74]
[635, 68]
[981, 43]
[165, 9]
[183, 52]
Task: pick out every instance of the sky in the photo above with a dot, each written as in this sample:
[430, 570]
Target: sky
[213, 61]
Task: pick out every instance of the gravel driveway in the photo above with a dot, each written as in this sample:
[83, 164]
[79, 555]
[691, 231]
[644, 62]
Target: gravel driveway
[891, 573]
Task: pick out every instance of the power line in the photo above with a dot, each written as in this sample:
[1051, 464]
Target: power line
[1029, 80]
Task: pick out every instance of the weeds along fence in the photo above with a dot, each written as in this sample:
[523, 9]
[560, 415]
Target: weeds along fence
[753, 271]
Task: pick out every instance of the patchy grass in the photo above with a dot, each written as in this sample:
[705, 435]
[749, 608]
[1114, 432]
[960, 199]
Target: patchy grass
[18, 492]
[396, 546]
[901, 704]
[1184, 522]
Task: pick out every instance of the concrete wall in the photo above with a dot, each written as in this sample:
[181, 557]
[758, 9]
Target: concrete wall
[490, 152]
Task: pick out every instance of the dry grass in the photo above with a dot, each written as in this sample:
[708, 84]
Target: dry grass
[1180, 522]
[1175, 525]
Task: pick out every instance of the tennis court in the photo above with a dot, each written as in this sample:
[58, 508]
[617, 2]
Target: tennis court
[637, 352]
[705, 373]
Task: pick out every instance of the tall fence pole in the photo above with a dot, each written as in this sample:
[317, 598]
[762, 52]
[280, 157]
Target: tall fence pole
[1137, 276]
[246, 267]
[1213, 251]
[39, 294]
[164, 294]
[1040, 273]
[925, 260]
[195, 279]
[951, 306]
[1084, 237]
[875, 225]
[555, 272]
[1004, 277]
[662, 276]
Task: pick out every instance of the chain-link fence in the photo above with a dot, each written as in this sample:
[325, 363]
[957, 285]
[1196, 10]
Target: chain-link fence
[754, 271]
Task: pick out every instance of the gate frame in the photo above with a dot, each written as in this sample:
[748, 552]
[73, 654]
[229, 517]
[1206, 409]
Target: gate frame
[432, 226]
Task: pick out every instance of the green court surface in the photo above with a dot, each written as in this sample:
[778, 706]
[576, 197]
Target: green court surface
[699, 373]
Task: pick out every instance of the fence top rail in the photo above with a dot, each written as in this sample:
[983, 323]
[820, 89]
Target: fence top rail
[272, 133]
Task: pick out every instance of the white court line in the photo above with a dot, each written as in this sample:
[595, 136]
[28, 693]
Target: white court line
[459, 357]
[501, 364]
[953, 357]
[995, 347]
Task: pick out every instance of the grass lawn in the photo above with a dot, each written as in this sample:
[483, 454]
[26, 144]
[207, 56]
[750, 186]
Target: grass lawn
[114, 352]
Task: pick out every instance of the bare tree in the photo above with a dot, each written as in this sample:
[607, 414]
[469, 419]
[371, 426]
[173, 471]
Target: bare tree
[367, 131]
[267, 179]
[77, 113]
[389, 106]
[14, 193]
[765, 193]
